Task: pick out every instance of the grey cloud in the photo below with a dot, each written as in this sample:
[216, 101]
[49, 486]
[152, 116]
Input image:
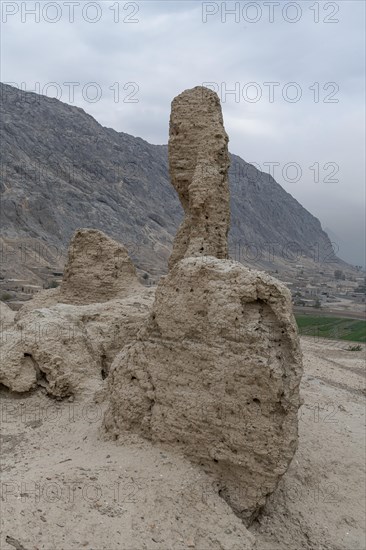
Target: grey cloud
[171, 49]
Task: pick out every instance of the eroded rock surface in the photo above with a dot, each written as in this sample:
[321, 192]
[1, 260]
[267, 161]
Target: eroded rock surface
[98, 269]
[198, 165]
[65, 339]
[68, 349]
[216, 371]
[6, 315]
[217, 366]
[49, 347]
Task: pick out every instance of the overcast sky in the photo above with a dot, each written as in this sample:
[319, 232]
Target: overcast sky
[296, 70]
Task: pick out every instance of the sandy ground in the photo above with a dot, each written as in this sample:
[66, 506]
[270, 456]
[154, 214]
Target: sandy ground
[64, 487]
[320, 503]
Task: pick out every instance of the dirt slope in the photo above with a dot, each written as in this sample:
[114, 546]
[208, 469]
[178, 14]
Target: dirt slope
[63, 487]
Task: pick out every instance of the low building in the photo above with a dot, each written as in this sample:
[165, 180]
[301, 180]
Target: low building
[31, 289]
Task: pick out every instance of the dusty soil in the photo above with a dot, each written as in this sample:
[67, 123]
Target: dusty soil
[65, 487]
[320, 502]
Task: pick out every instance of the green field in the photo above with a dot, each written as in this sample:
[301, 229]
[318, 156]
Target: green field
[336, 328]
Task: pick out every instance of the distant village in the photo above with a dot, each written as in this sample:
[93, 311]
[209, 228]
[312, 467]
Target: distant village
[16, 291]
[310, 287]
[343, 290]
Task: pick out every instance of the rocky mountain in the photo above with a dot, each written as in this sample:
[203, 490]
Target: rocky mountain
[61, 170]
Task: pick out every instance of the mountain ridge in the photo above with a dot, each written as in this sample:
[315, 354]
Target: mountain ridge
[62, 170]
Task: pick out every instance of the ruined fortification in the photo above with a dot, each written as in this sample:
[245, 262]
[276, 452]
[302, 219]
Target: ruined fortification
[216, 368]
[210, 365]
[198, 165]
[65, 339]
